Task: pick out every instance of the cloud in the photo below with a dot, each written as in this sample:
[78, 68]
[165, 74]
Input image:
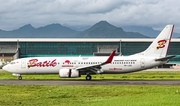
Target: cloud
[154, 13]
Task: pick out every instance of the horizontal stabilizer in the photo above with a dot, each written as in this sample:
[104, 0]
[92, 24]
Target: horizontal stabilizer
[165, 58]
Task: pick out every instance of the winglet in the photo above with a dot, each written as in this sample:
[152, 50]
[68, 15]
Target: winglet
[109, 60]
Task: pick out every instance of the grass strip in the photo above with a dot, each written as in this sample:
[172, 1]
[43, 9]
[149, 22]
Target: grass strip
[142, 75]
[40, 95]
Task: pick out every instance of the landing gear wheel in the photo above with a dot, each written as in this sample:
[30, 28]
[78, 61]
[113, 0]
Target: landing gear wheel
[20, 78]
[88, 77]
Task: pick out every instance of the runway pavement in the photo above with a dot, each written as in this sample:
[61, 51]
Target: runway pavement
[94, 82]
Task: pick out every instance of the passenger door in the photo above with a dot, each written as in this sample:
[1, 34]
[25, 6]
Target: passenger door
[23, 64]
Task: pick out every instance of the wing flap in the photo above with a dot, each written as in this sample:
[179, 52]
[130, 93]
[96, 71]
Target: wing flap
[89, 66]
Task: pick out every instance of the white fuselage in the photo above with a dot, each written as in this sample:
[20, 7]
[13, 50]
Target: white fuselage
[52, 65]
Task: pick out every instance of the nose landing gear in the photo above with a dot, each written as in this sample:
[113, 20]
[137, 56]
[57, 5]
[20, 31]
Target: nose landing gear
[20, 77]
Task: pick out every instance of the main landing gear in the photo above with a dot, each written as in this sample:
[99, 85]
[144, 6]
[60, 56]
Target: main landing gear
[88, 77]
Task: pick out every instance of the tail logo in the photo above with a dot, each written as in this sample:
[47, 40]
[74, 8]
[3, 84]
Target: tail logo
[161, 44]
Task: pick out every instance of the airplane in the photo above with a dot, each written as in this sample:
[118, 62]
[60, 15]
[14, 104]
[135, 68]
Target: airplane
[73, 67]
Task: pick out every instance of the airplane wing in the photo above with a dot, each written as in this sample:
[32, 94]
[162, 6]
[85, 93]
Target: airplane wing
[96, 68]
[165, 58]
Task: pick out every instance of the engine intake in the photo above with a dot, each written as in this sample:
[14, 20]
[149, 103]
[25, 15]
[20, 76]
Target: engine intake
[68, 73]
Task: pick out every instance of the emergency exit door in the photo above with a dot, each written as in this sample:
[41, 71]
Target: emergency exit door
[142, 63]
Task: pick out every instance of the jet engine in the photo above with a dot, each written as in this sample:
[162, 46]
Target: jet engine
[68, 73]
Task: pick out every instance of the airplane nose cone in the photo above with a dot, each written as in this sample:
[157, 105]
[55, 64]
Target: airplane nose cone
[5, 68]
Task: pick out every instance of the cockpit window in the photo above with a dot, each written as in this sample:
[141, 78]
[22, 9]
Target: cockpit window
[13, 62]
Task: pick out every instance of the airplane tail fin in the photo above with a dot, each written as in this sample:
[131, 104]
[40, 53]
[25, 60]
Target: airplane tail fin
[159, 47]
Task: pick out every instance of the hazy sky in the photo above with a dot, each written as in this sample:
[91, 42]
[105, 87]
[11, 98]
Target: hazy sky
[153, 13]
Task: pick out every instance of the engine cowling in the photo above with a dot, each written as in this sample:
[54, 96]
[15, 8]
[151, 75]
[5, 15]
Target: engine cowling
[68, 73]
